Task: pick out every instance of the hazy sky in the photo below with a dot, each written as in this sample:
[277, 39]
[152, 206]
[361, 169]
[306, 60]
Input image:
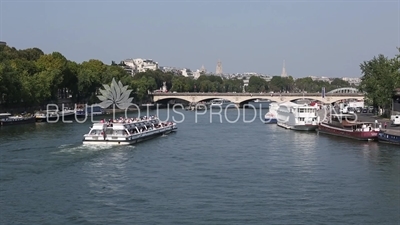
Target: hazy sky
[320, 38]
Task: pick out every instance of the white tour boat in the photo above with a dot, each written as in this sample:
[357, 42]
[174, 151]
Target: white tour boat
[297, 116]
[221, 103]
[53, 115]
[259, 104]
[271, 116]
[89, 110]
[127, 131]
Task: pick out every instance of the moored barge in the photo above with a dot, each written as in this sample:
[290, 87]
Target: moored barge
[389, 137]
[347, 126]
[6, 119]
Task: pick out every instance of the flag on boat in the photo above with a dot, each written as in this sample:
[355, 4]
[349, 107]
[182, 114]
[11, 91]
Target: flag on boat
[323, 92]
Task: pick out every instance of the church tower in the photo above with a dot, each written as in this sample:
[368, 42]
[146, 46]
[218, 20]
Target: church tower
[203, 69]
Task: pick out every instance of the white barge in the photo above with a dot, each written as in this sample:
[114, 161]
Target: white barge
[127, 131]
[297, 116]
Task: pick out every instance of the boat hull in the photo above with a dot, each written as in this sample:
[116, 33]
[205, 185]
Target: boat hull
[389, 138]
[54, 119]
[270, 120]
[357, 135]
[18, 122]
[112, 142]
[306, 127]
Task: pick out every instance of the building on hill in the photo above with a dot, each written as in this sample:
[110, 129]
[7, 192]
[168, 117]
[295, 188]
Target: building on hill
[203, 70]
[186, 72]
[325, 79]
[133, 66]
[352, 80]
[169, 69]
[197, 73]
[3, 43]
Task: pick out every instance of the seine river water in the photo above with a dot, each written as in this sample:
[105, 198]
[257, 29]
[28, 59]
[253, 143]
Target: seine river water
[206, 173]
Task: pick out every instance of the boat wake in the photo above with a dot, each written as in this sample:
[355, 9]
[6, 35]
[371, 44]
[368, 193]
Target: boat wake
[64, 146]
[78, 148]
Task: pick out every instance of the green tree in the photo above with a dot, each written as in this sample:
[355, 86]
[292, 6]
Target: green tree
[380, 77]
[142, 87]
[257, 84]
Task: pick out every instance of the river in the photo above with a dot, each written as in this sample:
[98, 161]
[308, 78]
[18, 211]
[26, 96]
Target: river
[206, 173]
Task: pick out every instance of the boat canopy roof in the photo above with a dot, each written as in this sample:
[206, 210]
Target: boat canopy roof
[5, 114]
[118, 125]
[295, 105]
[274, 104]
[292, 104]
[342, 115]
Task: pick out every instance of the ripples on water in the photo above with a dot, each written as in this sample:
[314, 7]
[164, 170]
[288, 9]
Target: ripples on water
[206, 173]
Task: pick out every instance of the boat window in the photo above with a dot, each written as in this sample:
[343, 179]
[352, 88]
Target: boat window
[95, 132]
[118, 132]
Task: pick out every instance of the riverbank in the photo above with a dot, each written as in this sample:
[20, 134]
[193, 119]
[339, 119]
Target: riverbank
[33, 109]
[371, 118]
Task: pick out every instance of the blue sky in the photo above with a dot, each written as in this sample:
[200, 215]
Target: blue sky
[317, 38]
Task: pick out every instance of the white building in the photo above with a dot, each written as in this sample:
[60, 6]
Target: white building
[326, 79]
[186, 72]
[352, 80]
[246, 82]
[266, 77]
[139, 65]
[197, 74]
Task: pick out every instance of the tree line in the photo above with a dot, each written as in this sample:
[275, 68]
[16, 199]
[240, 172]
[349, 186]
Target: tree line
[29, 77]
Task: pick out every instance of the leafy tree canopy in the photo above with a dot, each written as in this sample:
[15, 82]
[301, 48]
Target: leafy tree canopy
[380, 76]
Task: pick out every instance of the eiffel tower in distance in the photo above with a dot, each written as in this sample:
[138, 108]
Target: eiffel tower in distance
[218, 71]
[284, 74]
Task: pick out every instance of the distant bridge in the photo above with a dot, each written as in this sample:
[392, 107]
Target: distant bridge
[243, 98]
[346, 90]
